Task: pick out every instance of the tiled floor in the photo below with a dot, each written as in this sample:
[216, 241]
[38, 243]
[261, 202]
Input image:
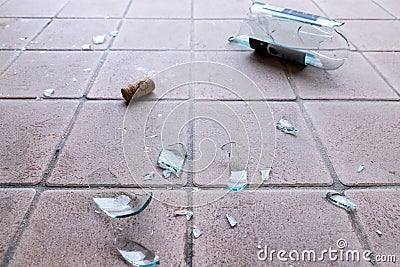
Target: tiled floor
[52, 147]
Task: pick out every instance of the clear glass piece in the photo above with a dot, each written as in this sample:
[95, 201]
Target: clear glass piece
[237, 167]
[148, 176]
[120, 205]
[286, 127]
[232, 221]
[196, 231]
[172, 159]
[360, 168]
[187, 213]
[296, 36]
[135, 253]
[48, 92]
[265, 172]
[99, 39]
[341, 201]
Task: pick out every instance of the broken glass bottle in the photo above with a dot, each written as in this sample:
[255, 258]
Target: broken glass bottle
[237, 167]
[121, 204]
[135, 253]
[296, 36]
[172, 158]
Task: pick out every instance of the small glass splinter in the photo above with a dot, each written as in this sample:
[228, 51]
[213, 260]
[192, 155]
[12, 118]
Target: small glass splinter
[196, 231]
[122, 205]
[341, 201]
[135, 253]
[231, 220]
[237, 168]
[172, 159]
[286, 127]
[188, 213]
[265, 173]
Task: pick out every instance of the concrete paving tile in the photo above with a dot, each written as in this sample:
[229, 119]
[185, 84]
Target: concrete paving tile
[122, 68]
[68, 73]
[391, 6]
[373, 35]
[95, 153]
[93, 8]
[292, 157]
[17, 33]
[73, 33]
[357, 133]
[65, 224]
[220, 9]
[356, 79]
[379, 210]
[27, 8]
[30, 133]
[214, 34]
[388, 64]
[266, 72]
[281, 220]
[5, 58]
[355, 9]
[160, 9]
[14, 203]
[159, 34]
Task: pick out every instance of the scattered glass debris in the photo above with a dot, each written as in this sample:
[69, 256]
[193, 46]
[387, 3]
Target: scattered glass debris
[231, 220]
[265, 173]
[187, 213]
[341, 201]
[148, 176]
[196, 231]
[48, 92]
[360, 168]
[114, 33]
[286, 127]
[378, 232]
[86, 47]
[121, 205]
[195, 189]
[172, 159]
[135, 253]
[237, 168]
[99, 39]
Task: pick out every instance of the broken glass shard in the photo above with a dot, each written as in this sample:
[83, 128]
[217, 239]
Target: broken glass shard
[341, 201]
[99, 39]
[147, 149]
[48, 92]
[286, 127]
[265, 173]
[148, 176]
[114, 33]
[231, 220]
[135, 253]
[187, 213]
[237, 168]
[172, 159]
[196, 231]
[121, 205]
[86, 47]
[360, 168]
[166, 173]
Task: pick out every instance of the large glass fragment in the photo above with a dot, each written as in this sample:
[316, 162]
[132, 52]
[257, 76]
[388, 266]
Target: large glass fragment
[135, 253]
[172, 158]
[341, 201]
[296, 36]
[237, 167]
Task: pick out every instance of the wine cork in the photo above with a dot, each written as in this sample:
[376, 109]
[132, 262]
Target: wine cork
[138, 89]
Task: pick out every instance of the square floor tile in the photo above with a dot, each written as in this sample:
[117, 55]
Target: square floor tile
[295, 160]
[73, 33]
[159, 34]
[388, 65]
[221, 9]
[122, 68]
[356, 133]
[30, 133]
[17, 33]
[374, 35]
[65, 223]
[353, 9]
[377, 210]
[94, 8]
[356, 79]
[266, 72]
[14, 203]
[214, 34]
[28, 8]
[267, 220]
[160, 9]
[68, 73]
